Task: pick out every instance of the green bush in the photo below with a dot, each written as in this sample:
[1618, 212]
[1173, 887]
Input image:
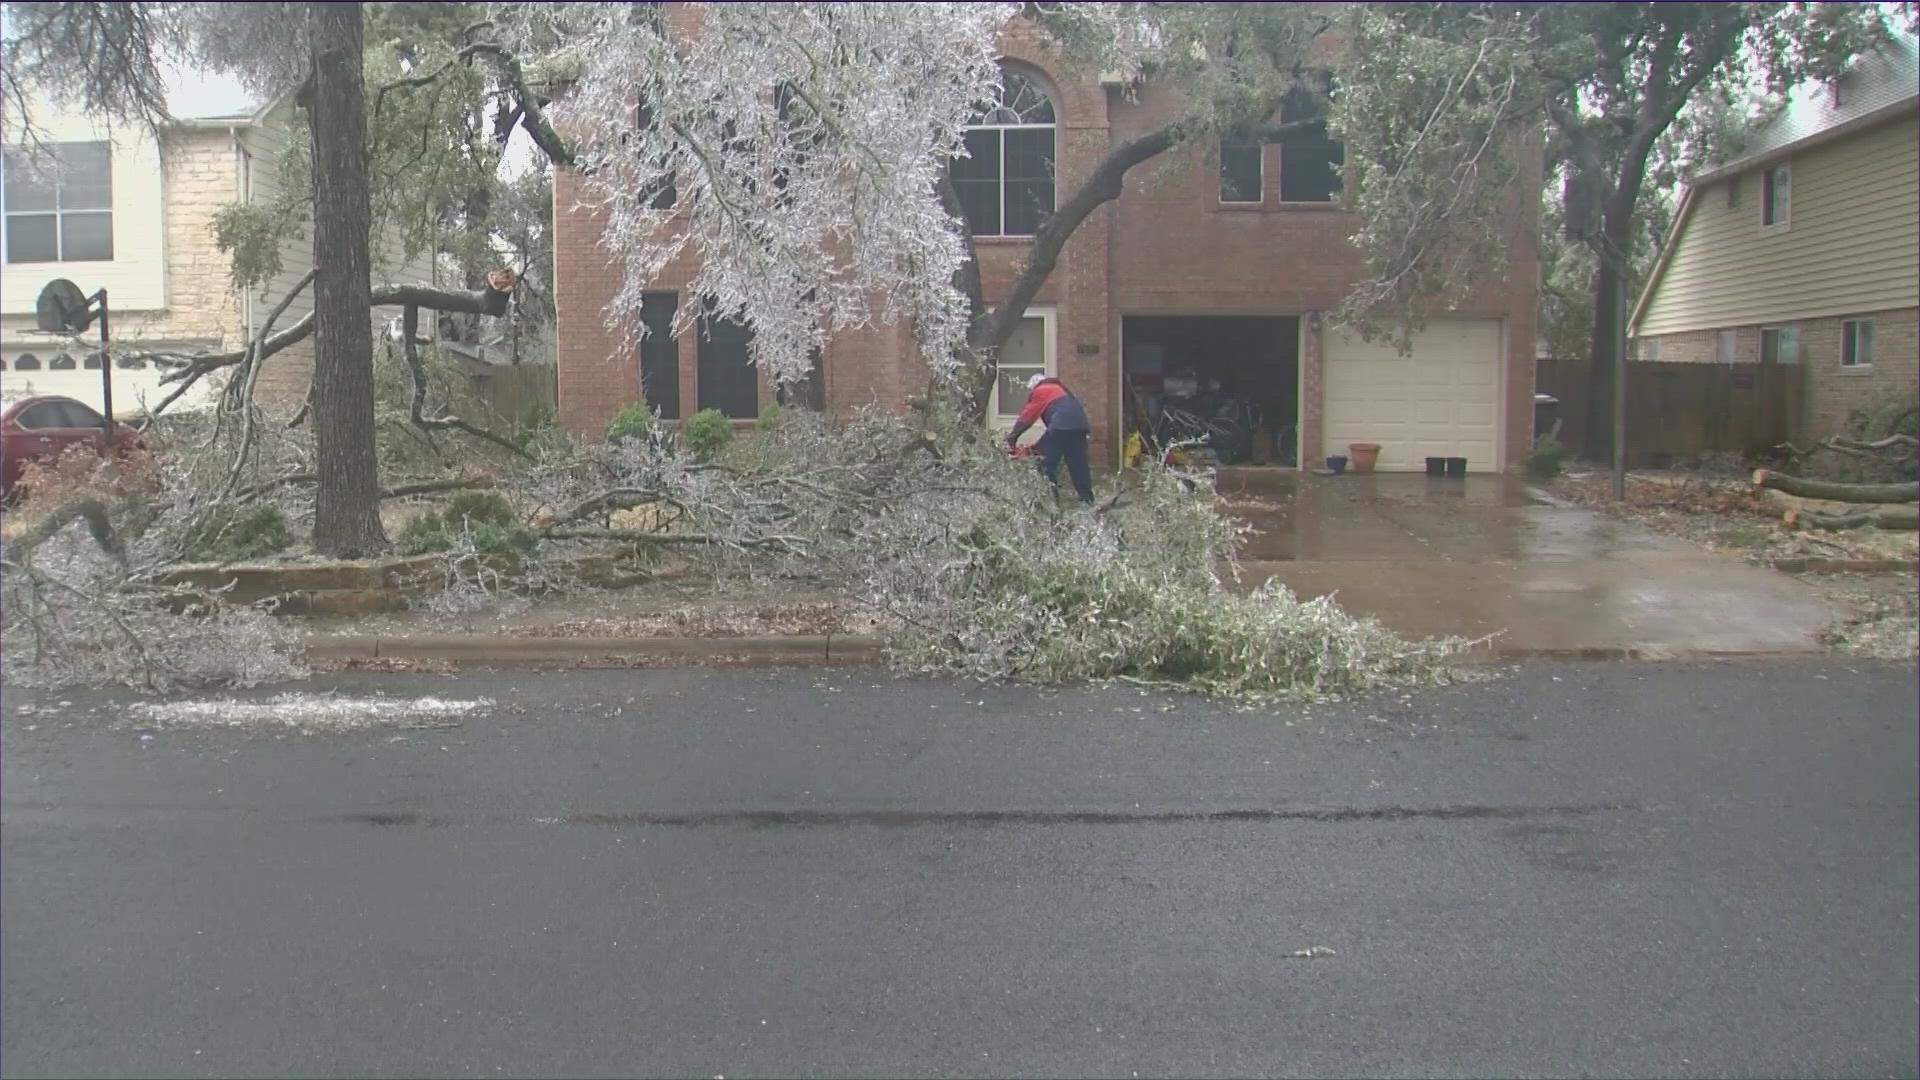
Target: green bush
[534, 419]
[632, 422]
[769, 417]
[230, 534]
[707, 433]
[484, 517]
[1547, 459]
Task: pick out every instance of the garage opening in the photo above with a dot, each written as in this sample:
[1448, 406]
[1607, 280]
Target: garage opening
[1233, 381]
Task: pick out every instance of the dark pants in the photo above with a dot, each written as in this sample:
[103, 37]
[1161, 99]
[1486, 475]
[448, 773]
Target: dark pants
[1071, 446]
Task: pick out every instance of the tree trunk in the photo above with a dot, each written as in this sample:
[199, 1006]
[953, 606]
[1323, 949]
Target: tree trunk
[1832, 491]
[1616, 236]
[346, 512]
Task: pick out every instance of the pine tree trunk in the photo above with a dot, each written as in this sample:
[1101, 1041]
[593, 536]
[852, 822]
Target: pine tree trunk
[346, 515]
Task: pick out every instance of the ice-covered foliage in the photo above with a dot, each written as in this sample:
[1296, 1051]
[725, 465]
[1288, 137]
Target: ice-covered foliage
[804, 144]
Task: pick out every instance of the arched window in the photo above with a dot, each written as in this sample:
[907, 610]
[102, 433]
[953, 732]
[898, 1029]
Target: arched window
[60, 362]
[1005, 182]
[27, 362]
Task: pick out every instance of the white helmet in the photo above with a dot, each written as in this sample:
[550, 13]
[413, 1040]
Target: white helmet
[1036, 381]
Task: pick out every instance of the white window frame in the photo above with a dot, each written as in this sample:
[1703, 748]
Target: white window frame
[1726, 346]
[1780, 334]
[1850, 334]
[1650, 349]
[1776, 197]
[109, 212]
[1049, 320]
[1000, 133]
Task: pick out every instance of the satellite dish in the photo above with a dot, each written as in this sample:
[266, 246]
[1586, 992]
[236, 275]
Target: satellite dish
[62, 308]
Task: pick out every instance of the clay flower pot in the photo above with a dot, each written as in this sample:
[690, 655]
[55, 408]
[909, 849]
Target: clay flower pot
[1364, 455]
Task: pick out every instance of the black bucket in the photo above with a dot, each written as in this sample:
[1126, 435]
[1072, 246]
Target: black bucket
[1436, 466]
[1456, 466]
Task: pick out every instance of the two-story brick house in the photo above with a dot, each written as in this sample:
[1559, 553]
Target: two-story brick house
[116, 206]
[1220, 263]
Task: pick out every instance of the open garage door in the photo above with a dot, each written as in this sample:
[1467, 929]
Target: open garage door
[1443, 400]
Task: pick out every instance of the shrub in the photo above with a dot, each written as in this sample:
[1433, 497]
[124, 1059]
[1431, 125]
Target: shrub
[769, 417]
[1547, 458]
[482, 519]
[632, 422]
[707, 434]
[231, 534]
[534, 419]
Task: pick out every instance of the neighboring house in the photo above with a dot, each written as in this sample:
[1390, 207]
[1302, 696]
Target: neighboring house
[1806, 249]
[1226, 263]
[114, 207]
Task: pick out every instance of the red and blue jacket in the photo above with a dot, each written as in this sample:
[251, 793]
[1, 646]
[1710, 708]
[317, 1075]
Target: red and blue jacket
[1053, 404]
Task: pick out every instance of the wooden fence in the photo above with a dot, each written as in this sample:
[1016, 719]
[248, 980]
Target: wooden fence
[1679, 411]
[514, 391]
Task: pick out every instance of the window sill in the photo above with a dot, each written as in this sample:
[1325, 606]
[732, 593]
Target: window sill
[1296, 205]
[1856, 369]
[1240, 207]
[1002, 241]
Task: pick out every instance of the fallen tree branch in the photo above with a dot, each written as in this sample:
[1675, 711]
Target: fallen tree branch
[416, 408]
[1905, 519]
[1836, 492]
[633, 536]
[425, 487]
[491, 301]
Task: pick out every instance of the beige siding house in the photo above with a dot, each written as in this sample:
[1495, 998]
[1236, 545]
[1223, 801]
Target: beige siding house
[1806, 249]
[116, 207]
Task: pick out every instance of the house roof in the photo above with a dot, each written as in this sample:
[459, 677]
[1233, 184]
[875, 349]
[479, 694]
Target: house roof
[1877, 83]
[197, 98]
[1880, 83]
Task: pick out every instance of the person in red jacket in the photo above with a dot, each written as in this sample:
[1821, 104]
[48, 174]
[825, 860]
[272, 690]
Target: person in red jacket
[1049, 402]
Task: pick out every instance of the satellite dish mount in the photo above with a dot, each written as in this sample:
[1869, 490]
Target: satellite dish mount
[64, 309]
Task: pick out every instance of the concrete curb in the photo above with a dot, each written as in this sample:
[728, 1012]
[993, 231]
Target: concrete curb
[519, 652]
[1843, 566]
[1657, 653]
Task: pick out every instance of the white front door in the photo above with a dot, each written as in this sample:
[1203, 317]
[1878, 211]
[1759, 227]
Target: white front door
[1027, 353]
[1442, 400]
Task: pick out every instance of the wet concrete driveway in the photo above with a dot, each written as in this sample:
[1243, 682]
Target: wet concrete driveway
[1478, 556]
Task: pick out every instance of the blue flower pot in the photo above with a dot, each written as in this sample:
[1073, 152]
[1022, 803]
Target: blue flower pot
[1337, 463]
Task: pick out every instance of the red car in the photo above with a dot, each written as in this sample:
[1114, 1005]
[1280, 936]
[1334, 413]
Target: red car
[42, 427]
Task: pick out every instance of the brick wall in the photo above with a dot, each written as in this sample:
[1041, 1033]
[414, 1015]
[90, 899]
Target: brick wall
[1165, 247]
[1833, 391]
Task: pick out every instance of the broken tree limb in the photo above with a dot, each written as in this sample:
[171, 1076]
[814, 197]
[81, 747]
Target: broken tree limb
[1837, 492]
[491, 301]
[416, 407]
[1902, 518]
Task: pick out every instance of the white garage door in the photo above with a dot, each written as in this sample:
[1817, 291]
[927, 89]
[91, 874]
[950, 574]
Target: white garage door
[1443, 400]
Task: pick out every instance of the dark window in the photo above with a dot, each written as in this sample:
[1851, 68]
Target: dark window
[727, 380]
[1856, 343]
[60, 362]
[1310, 160]
[1780, 345]
[129, 362]
[59, 206]
[1005, 183]
[77, 415]
[46, 414]
[1776, 196]
[92, 362]
[660, 355]
[27, 362]
[1240, 176]
[661, 194]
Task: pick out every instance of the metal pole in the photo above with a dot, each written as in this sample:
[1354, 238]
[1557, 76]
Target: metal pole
[1619, 378]
[106, 370]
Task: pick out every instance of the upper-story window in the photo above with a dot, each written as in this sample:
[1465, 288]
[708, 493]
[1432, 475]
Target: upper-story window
[1776, 196]
[58, 206]
[1310, 160]
[1005, 182]
[1241, 177]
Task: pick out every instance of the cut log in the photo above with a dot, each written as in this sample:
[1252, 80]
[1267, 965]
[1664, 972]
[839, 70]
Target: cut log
[1837, 492]
[1902, 518]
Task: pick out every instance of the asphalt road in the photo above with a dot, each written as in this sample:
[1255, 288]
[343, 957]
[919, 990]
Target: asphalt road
[1609, 870]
